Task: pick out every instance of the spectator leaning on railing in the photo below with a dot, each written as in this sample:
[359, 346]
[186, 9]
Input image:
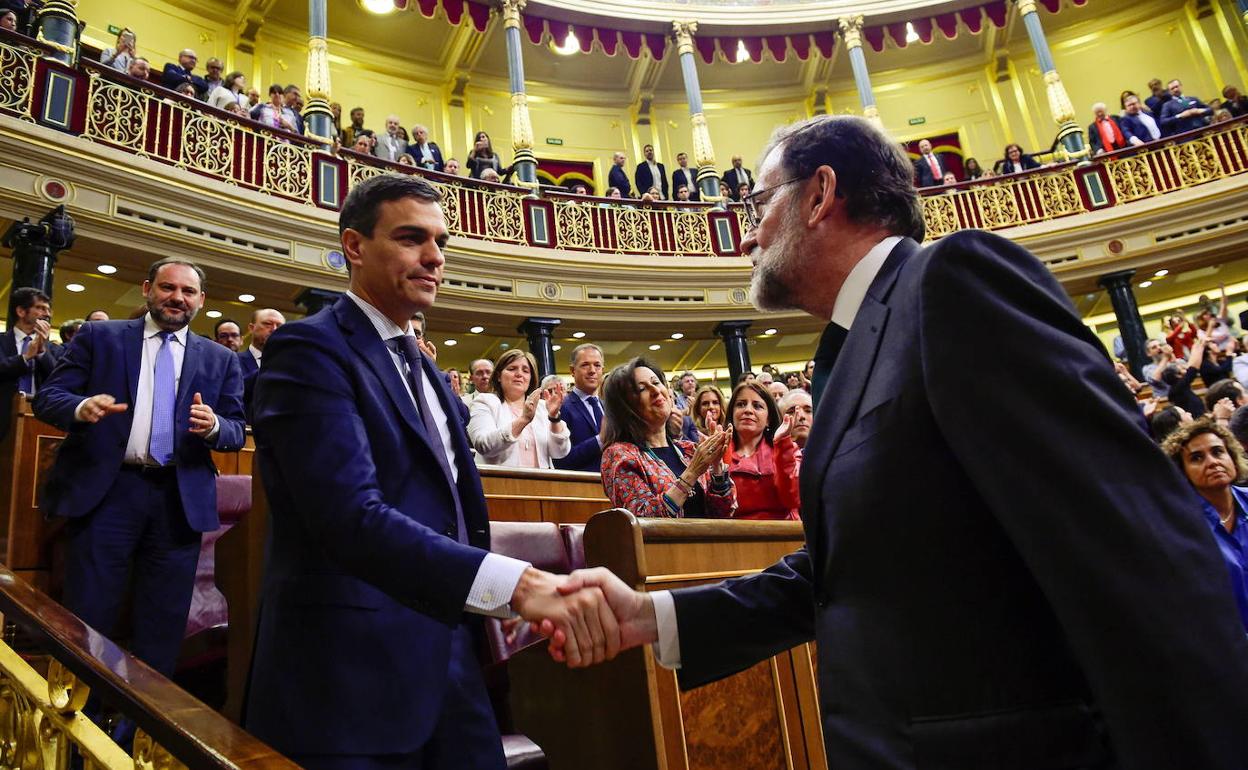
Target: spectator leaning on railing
[175, 75]
[1183, 113]
[1137, 125]
[8, 20]
[275, 113]
[1104, 133]
[120, 55]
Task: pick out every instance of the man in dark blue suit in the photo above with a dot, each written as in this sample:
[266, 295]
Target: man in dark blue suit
[144, 402]
[378, 565]
[1182, 113]
[27, 356]
[582, 411]
[1001, 570]
[617, 177]
[650, 173]
[425, 154]
[175, 75]
[263, 323]
[1138, 126]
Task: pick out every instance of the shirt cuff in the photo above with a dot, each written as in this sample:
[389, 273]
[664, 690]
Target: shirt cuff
[78, 410]
[494, 586]
[667, 649]
[211, 436]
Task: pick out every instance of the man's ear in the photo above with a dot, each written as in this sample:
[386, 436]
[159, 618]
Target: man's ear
[351, 246]
[824, 196]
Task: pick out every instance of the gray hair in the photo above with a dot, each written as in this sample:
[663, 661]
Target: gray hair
[576, 351]
[549, 380]
[1098, 106]
[873, 174]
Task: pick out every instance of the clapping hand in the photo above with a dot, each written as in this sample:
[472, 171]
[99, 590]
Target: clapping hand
[783, 431]
[1223, 409]
[554, 396]
[428, 348]
[710, 450]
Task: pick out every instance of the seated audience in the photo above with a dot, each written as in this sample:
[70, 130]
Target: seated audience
[175, 75]
[1183, 113]
[274, 113]
[490, 175]
[614, 192]
[188, 90]
[737, 177]
[1213, 461]
[949, 179]
[1220, 116]
[1137, 125]
[122, 53]
[682, 193]
[233, 90]
[644, 469]
[423, 152]
[1104, 133]
[1223, 398]
[483, 157]
[617, 177]
[705, 412]
[579, 188]
[973, 169]
[390, 145]
[1178, 377]
[777, 389]
[234, 108]
[363, 144]
[1233, 102]
[8, 20]
[451, 167]
[1163, 422]
[929, 171]
[650, 174]
[1239, 425]
[650, 196]
[517, 424]
[1016, 160]
[763, 457]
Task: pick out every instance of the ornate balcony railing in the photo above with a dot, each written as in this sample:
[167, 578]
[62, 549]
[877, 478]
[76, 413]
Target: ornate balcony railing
[111, 109]
[44, 689]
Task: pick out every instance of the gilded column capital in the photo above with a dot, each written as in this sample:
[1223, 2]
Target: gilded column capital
[1025, 6]
[521, 125]
[511, 13]
[684, 31]
[851, 30]
[316, 85]
[1059, 100]
[703, 152]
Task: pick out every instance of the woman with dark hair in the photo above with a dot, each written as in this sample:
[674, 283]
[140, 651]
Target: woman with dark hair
[233, 90]
[1016, 160]
[482, 156]
[706, 410]
[644, 469]
[1212, 460]
[518, 424]
[763, 458]
[120, 55]
[973, 169]
[1163, 422]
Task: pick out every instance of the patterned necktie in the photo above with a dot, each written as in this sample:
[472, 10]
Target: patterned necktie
[405, 345]
[825, 358]
[596, 407]
[164, 397]
[26, 382]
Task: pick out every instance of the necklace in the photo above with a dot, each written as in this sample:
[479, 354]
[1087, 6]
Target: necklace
[1227, 519]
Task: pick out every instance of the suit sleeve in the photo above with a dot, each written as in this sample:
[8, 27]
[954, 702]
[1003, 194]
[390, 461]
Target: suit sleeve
[581, 454]
[311, 429]
[60, 394]
[1109, 529]
[229, 409]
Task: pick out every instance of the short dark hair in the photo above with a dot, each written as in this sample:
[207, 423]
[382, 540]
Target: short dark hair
[69, 329]
[1164, 422]
[222, 322]
[619, 398]
[1239, 424]
[291, 87]
[158, 264]
[1223, 389]
[873, 175]
[26, 297]
[361, 208]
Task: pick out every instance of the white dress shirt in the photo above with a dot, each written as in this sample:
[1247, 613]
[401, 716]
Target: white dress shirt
[1150, 124]
[18, 336]
[656, 179]
[848, 302]
[257, 353]
[498, 575]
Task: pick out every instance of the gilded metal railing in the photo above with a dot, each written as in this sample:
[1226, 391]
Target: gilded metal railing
[151, 122]
[44, 691]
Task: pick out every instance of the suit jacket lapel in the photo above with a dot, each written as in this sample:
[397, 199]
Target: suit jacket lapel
[132, 346]
[366, 342]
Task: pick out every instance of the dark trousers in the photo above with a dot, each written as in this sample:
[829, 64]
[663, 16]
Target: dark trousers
[140, 529]
[465, 738]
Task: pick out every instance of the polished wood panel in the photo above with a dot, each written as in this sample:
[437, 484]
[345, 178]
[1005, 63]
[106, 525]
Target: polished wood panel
[529, 494]
[765, 717]
[26, 455]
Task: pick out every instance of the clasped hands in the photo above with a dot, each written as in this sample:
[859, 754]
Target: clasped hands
[589, 616]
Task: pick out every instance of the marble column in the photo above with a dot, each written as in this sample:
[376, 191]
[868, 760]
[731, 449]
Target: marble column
[538, 332]
[851, 33]
[1069, 132]
[35, 247]
[736, 348]
[703, 152]
[521, 127]
[317, 118]
[1130, 325]
[56, 25]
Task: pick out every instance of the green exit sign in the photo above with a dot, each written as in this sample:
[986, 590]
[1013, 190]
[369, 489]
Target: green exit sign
[113, 29]
[917, 121]
[554, 140]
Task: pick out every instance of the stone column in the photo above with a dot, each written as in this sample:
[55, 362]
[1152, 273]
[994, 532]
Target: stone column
[35, 246]
[521, 127]
[851, 33]
[736, 348]
[538, 332]
[703, 152]
[317, 118]
[56, 25]
[314, 301]
[1069, 132]
[1130, 325]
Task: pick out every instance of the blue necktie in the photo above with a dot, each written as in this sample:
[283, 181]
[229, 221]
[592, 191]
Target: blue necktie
[164, 398]
[596, 408]
[26, 383]
[405, 345]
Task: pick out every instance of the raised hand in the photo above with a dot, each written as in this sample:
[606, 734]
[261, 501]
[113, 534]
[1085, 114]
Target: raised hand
[554, 396]
[710, 451]
[203, 419]
[571, 609]
[530, 406]
[785, 426]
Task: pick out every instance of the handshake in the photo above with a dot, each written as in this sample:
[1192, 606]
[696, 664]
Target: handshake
[589, 616]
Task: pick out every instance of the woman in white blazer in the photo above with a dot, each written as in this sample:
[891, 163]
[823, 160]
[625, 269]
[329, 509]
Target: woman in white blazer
[518, 425]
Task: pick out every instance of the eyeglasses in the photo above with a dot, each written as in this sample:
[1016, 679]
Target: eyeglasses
[754, 206]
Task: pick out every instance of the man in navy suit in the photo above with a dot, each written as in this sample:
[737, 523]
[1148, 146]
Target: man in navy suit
[264, 322]
[736, 176]
[27, 356]
[582, 411]
[617, 177]
[378, 565]
[928, 169]
[993, 581]
[144, 402]
[1182, 113]
[1137, 125]
[650, 173]
[425, 154]
[175, 75]
[686, 176]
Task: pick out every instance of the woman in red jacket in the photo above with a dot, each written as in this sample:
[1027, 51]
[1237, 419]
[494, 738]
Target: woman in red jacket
[763, 459]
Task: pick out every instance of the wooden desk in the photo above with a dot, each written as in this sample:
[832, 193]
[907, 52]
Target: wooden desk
[630, 714]
[26, 455]
[528, 494]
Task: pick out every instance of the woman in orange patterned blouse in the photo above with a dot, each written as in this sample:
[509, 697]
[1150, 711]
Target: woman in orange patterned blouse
[646, 470]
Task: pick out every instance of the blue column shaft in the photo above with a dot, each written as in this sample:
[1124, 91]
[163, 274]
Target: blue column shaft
[858, 61]
[693, 89]
[1038, 42]
[515, 62]
[316, 18]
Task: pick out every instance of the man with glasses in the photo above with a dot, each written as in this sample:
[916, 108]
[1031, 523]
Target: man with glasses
[175, 75]
[1000, 569]
[227, 333]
